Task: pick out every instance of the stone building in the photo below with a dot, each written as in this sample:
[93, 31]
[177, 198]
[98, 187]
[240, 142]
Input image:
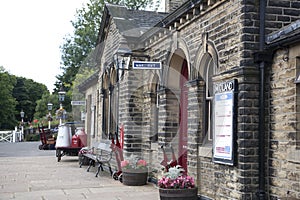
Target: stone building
[282, 102]
[218, 80]
[89, 88]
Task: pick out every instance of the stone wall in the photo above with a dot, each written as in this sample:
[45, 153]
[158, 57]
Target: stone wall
[229, 31]
[131, 111]
[280, 13]
[222, 25]
[284, 157]
[171, 5]
[196, 101]
[91, 112]
[108, 45]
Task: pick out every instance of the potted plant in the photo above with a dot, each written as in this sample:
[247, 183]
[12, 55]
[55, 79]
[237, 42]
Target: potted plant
[134, 171]
[177, 186]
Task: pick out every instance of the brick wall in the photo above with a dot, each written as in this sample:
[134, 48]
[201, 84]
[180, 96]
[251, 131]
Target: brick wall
[281, 13]
[130, 111]
[230, 29]
[171, 5]
[284, 157]
[223, 25]
[91, 99]
[195, 125]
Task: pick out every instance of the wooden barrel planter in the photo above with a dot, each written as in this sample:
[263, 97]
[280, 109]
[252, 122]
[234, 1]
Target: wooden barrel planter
[178, 194]
[134, 178]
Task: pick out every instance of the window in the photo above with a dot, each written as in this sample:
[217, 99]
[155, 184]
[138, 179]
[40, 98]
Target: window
[105, 106]
[89, 114]
[154, 115]
[209, 65]
[105, 114]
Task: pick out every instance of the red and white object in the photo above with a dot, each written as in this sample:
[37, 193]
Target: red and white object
[82, 136]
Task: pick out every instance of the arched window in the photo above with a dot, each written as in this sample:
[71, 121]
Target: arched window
[154, 109]
[105, 103]
[209, 66]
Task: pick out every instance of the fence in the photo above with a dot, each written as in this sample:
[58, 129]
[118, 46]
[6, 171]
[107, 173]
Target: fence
[10, 136]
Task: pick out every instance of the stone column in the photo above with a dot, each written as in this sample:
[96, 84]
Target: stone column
[196, 103]
[131, 112]
[149, 130]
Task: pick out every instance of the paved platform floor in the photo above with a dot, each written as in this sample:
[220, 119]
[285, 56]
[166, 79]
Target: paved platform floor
[43, 178]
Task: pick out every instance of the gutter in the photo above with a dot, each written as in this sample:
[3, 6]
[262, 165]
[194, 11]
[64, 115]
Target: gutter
[284, 37]
[261, 135]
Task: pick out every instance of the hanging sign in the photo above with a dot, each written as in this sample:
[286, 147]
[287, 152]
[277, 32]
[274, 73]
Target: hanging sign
[146, 65]
[77, 103]
[224, 122]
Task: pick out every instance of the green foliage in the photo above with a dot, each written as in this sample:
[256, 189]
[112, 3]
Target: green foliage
[78, 48]
[137, 4]
[27, 92]
[32, 137]
[17, 94]
[41, 109]
[7, 101]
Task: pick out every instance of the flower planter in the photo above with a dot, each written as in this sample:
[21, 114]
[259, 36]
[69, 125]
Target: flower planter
[178, 194]
[134, 178]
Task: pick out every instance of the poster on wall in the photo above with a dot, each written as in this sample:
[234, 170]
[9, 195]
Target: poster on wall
[224, 126]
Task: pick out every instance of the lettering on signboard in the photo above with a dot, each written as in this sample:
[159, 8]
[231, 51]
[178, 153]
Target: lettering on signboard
[146, 65]
[224, 87]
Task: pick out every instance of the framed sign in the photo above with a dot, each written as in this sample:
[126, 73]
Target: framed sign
[78, 103]
[224, 125]
[146, 65]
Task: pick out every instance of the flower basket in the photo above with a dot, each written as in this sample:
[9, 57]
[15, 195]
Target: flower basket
[178, 194]
[174, 185]
[134, 172]
[134, 178]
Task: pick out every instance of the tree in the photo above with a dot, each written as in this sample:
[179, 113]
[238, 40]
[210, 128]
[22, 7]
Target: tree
[7, 101]
[27, 92]
[41, 109]
[77, 47]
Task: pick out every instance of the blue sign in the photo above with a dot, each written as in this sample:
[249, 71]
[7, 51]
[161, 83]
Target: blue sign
[146, 65]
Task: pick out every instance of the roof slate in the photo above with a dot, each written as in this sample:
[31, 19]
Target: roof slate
[283, 33]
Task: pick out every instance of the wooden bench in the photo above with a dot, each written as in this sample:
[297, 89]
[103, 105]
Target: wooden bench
[100, 154]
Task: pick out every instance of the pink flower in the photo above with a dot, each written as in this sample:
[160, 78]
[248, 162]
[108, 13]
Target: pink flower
[124, 163]
[179, 182]
[141, 163]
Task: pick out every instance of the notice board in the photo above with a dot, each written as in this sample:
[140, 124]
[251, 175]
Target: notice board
[224, 122]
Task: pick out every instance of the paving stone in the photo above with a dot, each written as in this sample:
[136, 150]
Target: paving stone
[43, 178]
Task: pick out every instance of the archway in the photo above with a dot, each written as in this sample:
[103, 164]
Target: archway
[183, 117]
[178, 76]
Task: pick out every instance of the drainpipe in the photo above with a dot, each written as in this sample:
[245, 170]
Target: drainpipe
[261, 138]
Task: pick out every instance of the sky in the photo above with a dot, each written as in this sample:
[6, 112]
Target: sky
[30, 35]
